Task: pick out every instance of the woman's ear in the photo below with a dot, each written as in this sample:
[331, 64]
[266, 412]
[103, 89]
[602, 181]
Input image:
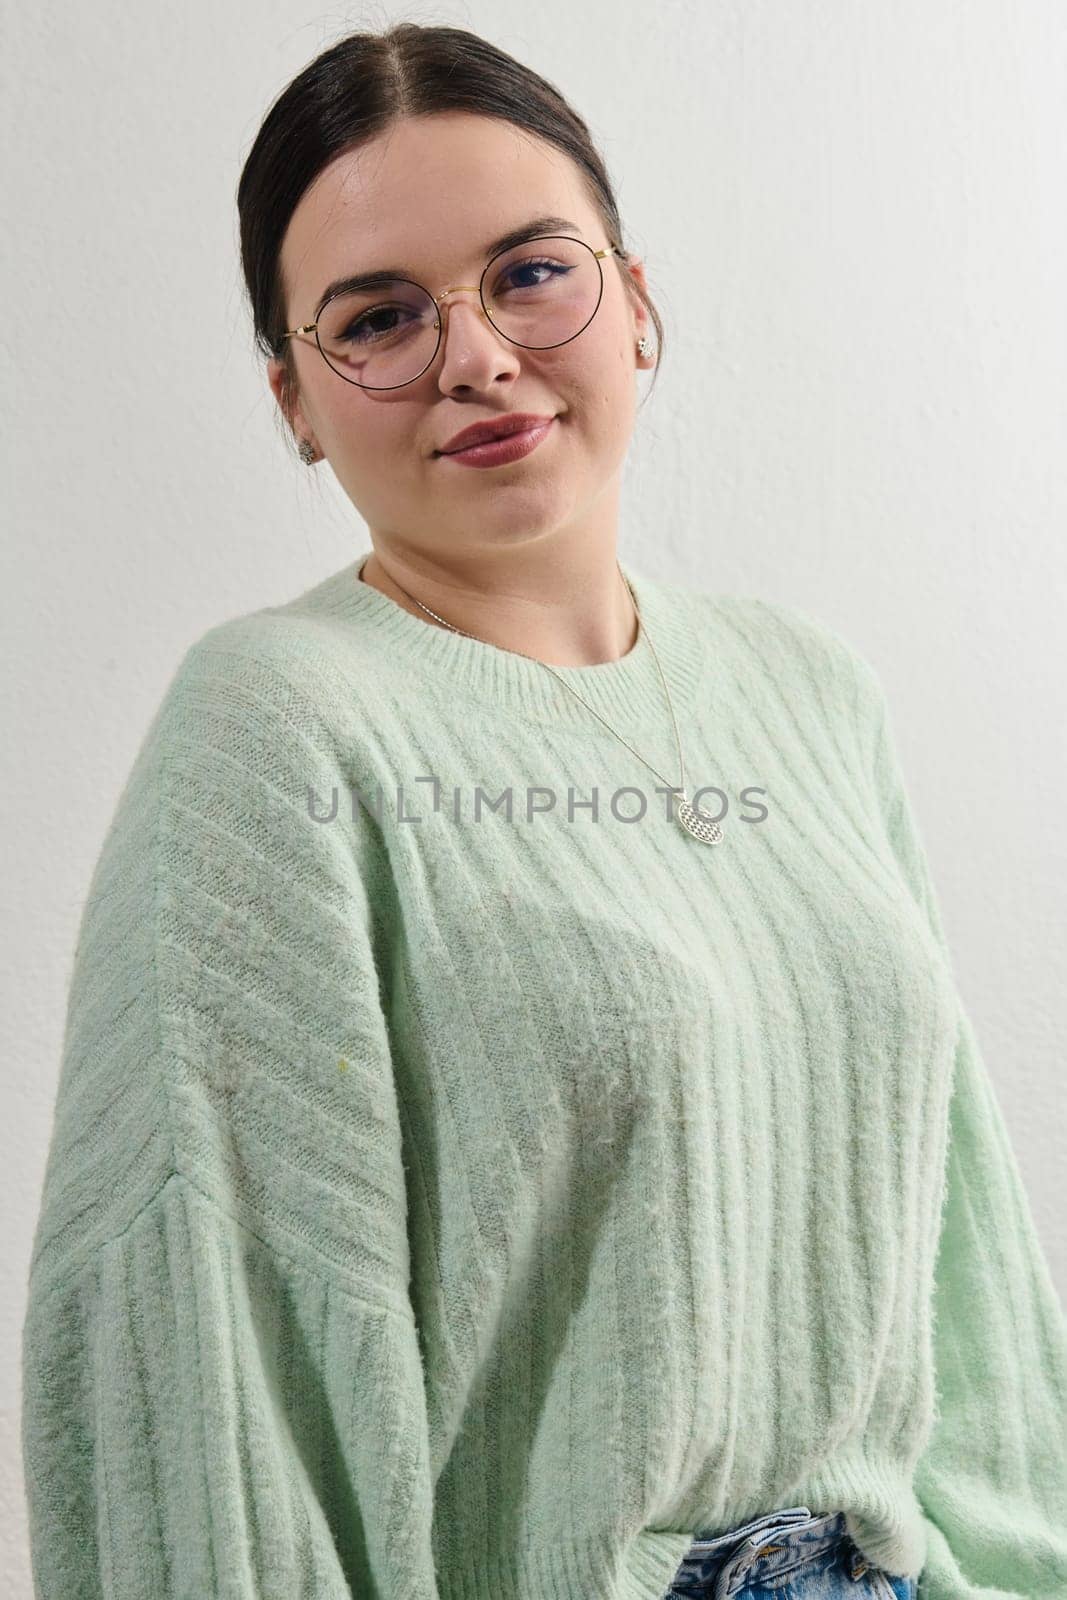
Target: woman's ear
[642, 322]
[288, 400]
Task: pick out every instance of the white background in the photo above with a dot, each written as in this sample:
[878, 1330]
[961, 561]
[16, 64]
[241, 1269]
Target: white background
[853, 220]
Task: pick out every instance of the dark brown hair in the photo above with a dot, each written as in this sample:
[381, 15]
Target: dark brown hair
[354, 91]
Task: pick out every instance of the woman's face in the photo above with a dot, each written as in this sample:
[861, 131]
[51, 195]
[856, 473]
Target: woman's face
[430, 194]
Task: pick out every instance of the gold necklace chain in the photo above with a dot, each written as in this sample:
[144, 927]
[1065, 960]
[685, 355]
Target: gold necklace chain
[696, 822]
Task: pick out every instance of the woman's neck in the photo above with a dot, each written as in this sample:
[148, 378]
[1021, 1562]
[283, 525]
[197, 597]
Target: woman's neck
[584, 620]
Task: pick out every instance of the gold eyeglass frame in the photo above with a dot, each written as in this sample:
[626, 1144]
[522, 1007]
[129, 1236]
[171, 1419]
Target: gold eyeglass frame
[471, 288]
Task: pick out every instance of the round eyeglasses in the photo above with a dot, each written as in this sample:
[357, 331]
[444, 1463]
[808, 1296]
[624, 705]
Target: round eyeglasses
[381, 332]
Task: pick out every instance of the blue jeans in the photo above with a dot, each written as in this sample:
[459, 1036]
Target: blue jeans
[788, 1551]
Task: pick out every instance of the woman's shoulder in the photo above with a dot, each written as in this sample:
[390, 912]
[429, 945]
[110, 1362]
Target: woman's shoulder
[265, 667]
[273, 641]
[792, 643]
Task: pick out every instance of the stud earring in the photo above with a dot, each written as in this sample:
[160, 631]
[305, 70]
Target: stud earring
[644, 346]
[307, 452]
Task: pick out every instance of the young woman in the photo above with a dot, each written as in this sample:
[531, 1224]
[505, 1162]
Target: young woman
[518, 1135]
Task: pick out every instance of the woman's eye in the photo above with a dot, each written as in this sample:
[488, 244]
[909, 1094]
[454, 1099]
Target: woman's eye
[362, 327]
[550, 269]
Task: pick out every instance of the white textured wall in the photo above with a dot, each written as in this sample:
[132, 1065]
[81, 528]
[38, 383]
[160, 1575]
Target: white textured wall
[853, 218]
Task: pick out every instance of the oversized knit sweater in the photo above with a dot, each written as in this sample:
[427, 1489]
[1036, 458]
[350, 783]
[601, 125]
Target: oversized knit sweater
[457, 1192]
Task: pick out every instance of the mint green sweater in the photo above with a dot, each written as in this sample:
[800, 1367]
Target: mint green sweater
[459, 1201]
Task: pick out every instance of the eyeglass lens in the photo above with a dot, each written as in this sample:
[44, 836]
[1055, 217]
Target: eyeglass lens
[539, 294]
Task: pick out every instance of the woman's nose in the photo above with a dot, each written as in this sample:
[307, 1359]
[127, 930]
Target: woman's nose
[474, 329]
[470, 307]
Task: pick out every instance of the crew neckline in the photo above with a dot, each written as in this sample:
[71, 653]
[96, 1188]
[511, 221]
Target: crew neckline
[627, 691]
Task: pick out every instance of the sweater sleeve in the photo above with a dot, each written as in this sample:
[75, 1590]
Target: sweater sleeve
[222, 1390]
[992, 1478]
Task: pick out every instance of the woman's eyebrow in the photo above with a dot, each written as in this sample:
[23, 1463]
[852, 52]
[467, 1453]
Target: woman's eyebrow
[519, 235]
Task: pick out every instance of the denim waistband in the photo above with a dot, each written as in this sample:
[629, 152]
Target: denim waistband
[760, 1551]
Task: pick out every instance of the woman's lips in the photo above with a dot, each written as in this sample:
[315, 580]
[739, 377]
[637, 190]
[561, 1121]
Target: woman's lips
[497, 452]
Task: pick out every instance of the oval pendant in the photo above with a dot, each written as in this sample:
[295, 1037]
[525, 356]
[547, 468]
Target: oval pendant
[698, 823]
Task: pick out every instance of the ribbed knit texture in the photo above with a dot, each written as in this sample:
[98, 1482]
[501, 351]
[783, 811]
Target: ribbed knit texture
[479, 1207]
